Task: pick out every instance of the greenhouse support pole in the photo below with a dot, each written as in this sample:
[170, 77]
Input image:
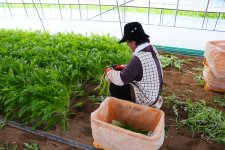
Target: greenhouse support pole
[71, 13]
[124, 11]
[79, 9]
[9, 8]
[3, 5]
[60, 9]
[39, 15]
[119, 17]
[160, 18]
[175, 19]
[203, 22]
[149, 4]
[41, 9]
[110, 9]
[217, 21]
[25, 8]
[87, 11]
[99, 3]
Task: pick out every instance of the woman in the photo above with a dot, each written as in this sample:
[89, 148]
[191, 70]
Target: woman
[140, 80]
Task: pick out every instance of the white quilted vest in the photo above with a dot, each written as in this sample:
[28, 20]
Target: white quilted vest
[146, 90]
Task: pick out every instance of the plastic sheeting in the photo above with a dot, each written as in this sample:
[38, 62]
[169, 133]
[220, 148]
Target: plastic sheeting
[182, 51]
[215, 57]
[111, 137]
[213, 83]
[214, 66]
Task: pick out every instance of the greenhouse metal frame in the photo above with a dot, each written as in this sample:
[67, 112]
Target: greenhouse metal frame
[201, 15]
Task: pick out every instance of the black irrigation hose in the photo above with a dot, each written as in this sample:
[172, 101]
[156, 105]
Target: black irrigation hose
[50, 136]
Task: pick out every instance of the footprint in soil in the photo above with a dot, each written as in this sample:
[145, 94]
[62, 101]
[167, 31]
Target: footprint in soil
[86, 131]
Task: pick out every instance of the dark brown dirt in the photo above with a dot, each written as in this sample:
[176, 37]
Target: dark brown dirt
[178, 82]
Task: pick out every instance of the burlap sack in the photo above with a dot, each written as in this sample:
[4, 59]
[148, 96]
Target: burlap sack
[215, 57]
[111, 137]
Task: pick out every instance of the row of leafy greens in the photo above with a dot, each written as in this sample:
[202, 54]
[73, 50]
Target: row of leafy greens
[41, 72]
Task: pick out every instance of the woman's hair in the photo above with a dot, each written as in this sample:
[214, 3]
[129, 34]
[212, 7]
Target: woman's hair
[141, 41]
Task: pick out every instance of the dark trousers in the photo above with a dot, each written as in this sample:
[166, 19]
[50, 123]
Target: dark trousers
[121, 92]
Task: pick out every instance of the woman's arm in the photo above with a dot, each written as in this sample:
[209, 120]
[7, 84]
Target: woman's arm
[133, 71]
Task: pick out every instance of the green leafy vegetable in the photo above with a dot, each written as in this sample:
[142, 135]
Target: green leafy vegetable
[128, 127]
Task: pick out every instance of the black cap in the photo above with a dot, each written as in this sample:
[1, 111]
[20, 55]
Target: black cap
[133, 31]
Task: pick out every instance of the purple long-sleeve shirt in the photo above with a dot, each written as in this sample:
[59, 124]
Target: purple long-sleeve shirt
[133, 71]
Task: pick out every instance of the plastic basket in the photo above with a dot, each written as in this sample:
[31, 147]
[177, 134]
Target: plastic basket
[110, 137]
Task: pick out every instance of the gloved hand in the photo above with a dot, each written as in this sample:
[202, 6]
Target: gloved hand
[107, 73]
[107, 70]
[118, 67]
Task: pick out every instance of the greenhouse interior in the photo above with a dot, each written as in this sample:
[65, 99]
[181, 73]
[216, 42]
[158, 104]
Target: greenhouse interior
[61, 61]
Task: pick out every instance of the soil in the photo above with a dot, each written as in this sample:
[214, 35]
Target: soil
[178, 82]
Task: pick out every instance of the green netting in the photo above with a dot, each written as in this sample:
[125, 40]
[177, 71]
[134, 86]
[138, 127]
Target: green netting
[182, 51]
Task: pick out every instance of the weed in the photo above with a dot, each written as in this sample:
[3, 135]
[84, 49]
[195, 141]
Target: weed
[103, 87]
[171, 61]
[199, 79]
[33, 146]
[207, 121]
[220, 101]
[7, 146]
[198, 68]
[79, 105]
[97, 99]
[167, 132]
[173, 100]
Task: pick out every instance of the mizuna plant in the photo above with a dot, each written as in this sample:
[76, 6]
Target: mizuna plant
[40, 73]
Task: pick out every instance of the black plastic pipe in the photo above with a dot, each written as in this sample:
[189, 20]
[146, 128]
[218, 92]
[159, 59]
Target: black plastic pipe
[53, 137]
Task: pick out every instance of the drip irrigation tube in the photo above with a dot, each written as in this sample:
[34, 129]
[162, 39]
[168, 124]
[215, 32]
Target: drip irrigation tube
[182, 51]
[53, 137]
